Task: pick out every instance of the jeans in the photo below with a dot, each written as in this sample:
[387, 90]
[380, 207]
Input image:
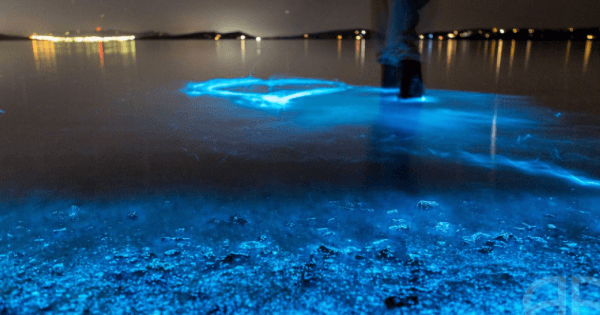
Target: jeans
[394, 23]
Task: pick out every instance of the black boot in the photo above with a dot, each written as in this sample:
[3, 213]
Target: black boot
[410, 79]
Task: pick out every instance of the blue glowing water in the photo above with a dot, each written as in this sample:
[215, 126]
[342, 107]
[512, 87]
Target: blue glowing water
[500, 132]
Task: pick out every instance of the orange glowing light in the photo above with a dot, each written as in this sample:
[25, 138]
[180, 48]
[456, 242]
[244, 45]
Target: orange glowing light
[305, 35]
[339, 37]
[98, 29]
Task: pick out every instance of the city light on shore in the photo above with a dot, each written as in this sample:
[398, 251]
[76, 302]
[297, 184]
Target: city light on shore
[86, 39]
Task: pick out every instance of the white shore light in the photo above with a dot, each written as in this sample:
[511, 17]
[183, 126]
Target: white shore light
[86, 39]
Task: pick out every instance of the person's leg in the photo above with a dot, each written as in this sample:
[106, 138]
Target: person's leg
[399, 55]
[401, 32]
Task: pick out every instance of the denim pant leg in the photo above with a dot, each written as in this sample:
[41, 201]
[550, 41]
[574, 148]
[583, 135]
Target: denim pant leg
[395, 22]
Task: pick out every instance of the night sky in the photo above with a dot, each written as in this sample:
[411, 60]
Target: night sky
[281, 17]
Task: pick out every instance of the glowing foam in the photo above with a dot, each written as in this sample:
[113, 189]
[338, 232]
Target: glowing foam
[274, 97]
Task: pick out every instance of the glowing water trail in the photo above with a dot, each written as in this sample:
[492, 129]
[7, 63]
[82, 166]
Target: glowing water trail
[277, 99]
[535, 167]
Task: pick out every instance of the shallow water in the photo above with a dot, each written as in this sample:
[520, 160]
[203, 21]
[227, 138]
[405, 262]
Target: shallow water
[91, 118]
[231, 176]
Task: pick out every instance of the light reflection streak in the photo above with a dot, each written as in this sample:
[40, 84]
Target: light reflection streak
[429, 51]
[305, 47]
[339, 49]
[485, 49]
[512, 57]
[568, 53]
[36, 55]
[439, 52]
[492, 54]
[243, 46]
[101, 54]
[499, 62]
[450, 51]
[527, 54]
[588, 52]
[357, 51]
[363, 44]
[44, 55]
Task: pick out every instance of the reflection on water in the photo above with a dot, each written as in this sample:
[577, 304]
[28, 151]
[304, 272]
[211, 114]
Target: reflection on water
[512, 57]
[450, 52]
[101, 54]
[493, 54]
[447, 64]
[363, 48]
[243, 46]
[527, 54]
[567, 54]
[588, 52]
[306, 48]
[499, 63]
[45, 53]
[439, 52]
[360, 48]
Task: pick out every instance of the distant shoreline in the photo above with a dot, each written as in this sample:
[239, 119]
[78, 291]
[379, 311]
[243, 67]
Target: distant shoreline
[579, 34]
